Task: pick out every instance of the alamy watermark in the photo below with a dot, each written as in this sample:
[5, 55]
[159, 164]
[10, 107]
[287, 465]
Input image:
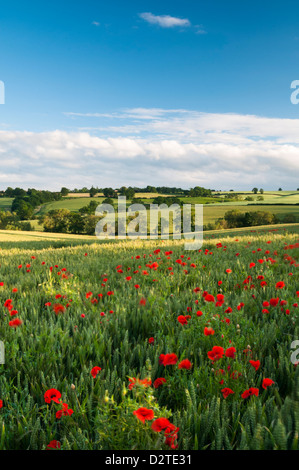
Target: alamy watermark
[295, 354]
[2, 92]
[157, 221]
[2, 353]
[295, 94]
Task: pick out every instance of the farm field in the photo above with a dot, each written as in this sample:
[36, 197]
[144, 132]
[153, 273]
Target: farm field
[71, 204]
[210, 212]
[281, 197]
[143, 345]
[213, 212]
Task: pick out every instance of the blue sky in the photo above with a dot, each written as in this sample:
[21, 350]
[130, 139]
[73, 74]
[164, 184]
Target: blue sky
[100, 91]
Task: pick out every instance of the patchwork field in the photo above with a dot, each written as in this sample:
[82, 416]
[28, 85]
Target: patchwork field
[143, 345]
[280, 203]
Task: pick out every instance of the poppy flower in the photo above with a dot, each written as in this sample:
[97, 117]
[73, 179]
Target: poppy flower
[280, 285]
[94, 371]
[134, 381]
[185, 364]
[58, 308]
[208, 331]
[267, 383]
[274, 302]
[226, 392]
[144, 414]
[255, 364]
[15, 323]
[1, 404]
[230, 352]
[160, 424]
[52, 395]
[169, 359]
[66, 411]
[216, 353]
[182, 320]
[159, 381]
[209, 298]
[54, 445]
[251, 391]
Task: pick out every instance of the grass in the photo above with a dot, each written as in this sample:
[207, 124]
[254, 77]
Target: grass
[212, 213]
[71, 204]
[48, 350]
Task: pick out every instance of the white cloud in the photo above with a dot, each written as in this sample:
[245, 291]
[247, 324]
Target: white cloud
[95, 23]
[165, 21]
[155, 146]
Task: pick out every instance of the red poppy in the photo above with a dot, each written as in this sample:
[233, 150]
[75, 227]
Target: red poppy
[280, 285]
[52, 395]
[251, 391]
[226, 392]
[15, 323]
[216, 353]
[134, 381]
[255, 364]
[274, 302]
[182, 320]
[58, 308]
[144, 414]
[1, 404]
[159, 381]
[208, 331]
[160, 424]
[66, 411]
[267, 383]
[95, 370]
[54, 445]
[185, 364]
[230, 352]
[209, 298]
[169, 359]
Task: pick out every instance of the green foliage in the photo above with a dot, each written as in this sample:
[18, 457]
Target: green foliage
[59, 351]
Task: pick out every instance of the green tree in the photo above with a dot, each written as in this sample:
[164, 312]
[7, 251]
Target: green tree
[93, 191]
[109, 192]
[64, 191]
[57, 221]
[76, 223]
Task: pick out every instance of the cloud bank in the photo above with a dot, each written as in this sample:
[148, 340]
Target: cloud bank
[157, 147]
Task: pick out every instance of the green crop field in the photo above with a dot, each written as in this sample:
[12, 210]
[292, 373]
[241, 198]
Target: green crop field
[73, 204]
[213, 212]
[142, 345]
